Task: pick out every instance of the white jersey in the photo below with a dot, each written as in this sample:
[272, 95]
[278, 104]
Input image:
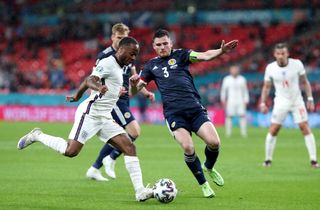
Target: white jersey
[110, 73]
[286, 80]
[234, 90]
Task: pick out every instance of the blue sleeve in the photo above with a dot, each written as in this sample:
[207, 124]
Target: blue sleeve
[185, 55]
[146, 74]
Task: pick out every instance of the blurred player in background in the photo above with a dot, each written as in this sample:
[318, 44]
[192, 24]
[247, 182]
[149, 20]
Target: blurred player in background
[93, 116]
[285, 74]
[181, 102]
[234, 98]
[121, 112]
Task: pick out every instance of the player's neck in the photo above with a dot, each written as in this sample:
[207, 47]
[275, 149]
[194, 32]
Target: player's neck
[114, 47]
[283, 64]
[116, 56]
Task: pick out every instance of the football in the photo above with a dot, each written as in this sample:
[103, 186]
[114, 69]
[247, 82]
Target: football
[165, 190]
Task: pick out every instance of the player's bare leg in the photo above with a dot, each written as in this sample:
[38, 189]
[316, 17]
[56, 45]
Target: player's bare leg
[209, 135]
[270, 143]
[183, 137]
[124, 144]
[69, 149]
[133, 130]
[310, 143]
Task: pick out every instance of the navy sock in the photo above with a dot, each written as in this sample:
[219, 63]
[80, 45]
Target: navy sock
[116, 153]
[194, 165]
[105, 151]
[211, 157]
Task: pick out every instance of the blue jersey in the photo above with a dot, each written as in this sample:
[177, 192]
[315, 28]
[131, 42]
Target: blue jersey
[126, 73]
[174, 81]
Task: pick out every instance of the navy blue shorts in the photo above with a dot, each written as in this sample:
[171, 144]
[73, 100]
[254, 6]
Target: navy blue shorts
[191, 120]
[122, 114]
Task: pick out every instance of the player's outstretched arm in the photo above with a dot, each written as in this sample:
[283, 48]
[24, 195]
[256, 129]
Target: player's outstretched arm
[264, 95]
[76, 97]
[211, 54]
[308, 90]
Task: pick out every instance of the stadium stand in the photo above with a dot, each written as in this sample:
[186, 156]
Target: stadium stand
[55, 52]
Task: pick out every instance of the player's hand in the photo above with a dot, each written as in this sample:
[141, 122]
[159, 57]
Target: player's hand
[151, 96]
[228, 46]
[73, 98]
[134, 80]
[122, 91]
[310, 106]
[103, 89]
[263, 108]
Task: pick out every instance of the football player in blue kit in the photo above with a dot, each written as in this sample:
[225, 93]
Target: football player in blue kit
[182, 107]
[121, 112]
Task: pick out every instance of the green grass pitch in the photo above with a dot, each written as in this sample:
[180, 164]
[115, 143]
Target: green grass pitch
[38, 178]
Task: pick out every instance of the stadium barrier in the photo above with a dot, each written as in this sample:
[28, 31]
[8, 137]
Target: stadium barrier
[66, 114]
[153, 115]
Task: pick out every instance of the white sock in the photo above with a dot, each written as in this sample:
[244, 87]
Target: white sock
[243, 126]
[270, 145]
[228, 126]
[133, 167]
[56, 143]
[311, 146]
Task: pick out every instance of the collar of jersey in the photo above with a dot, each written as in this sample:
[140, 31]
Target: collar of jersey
[115, 57]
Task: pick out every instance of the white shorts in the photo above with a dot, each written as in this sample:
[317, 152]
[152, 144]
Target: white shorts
[280, 112]
[235, 110]
[86, 126]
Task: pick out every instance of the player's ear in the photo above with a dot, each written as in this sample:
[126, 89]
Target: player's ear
[170, 43]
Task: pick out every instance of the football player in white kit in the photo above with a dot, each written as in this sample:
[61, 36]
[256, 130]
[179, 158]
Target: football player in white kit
[234, 98]
[285, 74]
[93, 116]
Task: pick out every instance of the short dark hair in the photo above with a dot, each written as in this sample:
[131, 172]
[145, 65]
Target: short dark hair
[126, 41]
[281, 45]
[160, 33]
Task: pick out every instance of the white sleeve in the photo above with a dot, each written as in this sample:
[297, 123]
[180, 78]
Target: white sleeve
[245, 91]
[301, 69]
[223, 93]
[102, 70]
[267, 74]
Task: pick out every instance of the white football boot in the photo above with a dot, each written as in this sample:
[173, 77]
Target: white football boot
[109, 165]
[95, 174]
[28, 139]
[144, 194]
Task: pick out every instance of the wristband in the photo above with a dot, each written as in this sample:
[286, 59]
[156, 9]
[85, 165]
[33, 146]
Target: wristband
[310, 98]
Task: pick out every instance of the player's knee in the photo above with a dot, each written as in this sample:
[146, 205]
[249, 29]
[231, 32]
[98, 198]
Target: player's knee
[134, 135]
[213, 141]
[214, 144]
[304, 128]
[188, 148]
[134, 131]
[129, 149]
[274, 130]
